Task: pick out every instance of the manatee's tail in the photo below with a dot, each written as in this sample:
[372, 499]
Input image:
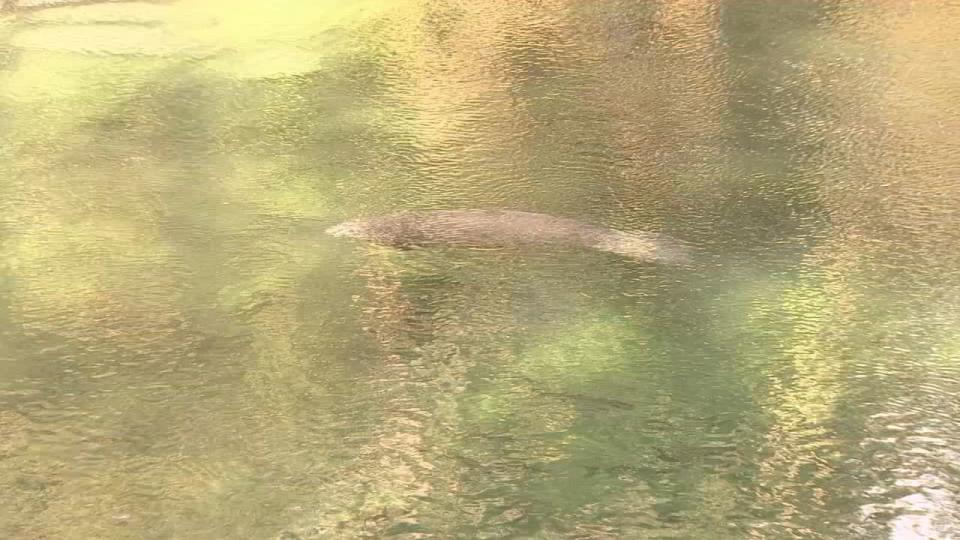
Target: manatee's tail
[646, 247]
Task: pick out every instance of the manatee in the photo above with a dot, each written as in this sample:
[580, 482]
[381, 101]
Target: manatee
[508, 229]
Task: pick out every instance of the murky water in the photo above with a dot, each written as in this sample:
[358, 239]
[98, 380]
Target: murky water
[183, 353]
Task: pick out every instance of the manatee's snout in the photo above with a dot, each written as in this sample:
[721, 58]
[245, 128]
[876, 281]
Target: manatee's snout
[351, 229]
[336, 230]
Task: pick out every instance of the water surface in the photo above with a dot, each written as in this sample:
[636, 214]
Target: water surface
[183, 353]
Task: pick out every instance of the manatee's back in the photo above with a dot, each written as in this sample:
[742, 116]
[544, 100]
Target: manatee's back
[506, 227]
[492, 228]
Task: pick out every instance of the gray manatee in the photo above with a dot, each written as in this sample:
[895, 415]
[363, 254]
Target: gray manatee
[507, 229]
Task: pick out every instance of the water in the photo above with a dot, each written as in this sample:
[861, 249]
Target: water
[184, 355]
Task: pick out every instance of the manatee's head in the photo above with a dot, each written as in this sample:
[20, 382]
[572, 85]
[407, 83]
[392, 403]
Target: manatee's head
[355, 228]
[391, 230]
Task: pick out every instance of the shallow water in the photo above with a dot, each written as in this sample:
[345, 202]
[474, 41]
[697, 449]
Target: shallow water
[184, 354]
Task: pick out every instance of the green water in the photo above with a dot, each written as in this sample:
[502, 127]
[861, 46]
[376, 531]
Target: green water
[184, 354]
